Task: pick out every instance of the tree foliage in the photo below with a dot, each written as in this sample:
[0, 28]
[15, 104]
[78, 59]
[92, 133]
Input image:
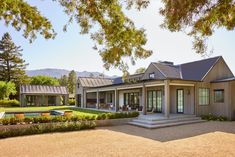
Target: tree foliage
[21, 16]
[6, 89]
[72, 79]
[199, 18]
[63, 80]
[44, 80]
[116, 38]
[12, 66]
[140, 70]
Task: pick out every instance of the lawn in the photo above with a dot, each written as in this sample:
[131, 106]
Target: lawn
[76, 111]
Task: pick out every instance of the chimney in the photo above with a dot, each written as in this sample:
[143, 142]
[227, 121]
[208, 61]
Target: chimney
[166, 62]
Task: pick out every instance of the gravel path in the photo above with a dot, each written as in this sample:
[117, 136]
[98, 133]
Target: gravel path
[202, 139]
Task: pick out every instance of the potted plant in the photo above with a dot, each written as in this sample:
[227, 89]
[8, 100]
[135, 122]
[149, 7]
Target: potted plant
[19, 115]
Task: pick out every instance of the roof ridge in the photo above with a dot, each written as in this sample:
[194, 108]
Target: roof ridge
[201, 60]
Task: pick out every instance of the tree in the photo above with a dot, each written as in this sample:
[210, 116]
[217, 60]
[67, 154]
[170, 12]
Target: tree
[72, 79]
[12, 66]
[140, 70]
[7, 89]
[199, 18]
[44, 80]
[115, 35]
[63, 80]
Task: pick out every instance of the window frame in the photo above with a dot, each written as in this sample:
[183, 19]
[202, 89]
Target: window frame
[218, 90]
[203, 96]
[152, 74]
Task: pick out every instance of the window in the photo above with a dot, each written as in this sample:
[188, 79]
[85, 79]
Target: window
[132, 100]
[109, 97]
[219, 95]
[151, 75]
[78, 85]
[204, 96]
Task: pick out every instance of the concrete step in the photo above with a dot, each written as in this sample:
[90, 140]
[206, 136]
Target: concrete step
[145, 125]
[160, 118]
[149, 122]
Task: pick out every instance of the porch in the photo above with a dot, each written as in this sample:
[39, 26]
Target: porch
[164, 97]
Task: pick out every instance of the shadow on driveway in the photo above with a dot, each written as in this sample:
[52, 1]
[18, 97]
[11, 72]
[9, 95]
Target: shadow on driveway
[175, 132]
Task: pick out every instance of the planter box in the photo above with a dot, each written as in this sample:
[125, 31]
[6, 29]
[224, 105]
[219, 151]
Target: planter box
[19, 115]
[45, 114]
[68, 113]
[112, 122]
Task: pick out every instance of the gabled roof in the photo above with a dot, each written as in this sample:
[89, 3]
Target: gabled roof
[41, 89]
[169, 71]
[197, 70]
[94, 82]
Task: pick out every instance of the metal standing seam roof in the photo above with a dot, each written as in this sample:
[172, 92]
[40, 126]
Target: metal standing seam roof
[94, 82]
[169, 71]
[197, 70]
[42, 89]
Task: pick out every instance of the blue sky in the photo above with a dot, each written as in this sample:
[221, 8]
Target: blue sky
[70, 50]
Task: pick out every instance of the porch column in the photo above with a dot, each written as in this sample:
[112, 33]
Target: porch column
[66, 98]
[116, 100]
[84, 105]
[167, 98]
[144, 100]
[97, 100]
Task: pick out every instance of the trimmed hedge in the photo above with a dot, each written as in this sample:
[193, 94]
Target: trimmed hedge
[211, 117]
[71, 102]
[52, 127]
[9, 103]
[51, 119]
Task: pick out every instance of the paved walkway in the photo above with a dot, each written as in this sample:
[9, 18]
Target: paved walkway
[202, 139]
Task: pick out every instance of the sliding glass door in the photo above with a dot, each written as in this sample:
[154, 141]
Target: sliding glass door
[154, 103]
[180, 101]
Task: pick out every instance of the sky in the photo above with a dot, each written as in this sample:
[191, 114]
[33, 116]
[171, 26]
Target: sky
[73, 51]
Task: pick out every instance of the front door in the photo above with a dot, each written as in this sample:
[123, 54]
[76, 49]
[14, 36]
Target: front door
[180, 100]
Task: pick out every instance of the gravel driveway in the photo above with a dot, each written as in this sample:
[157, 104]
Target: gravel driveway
[202, 139]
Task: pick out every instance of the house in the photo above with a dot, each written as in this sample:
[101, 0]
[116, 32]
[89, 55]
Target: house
[41, 95]
[194, 88]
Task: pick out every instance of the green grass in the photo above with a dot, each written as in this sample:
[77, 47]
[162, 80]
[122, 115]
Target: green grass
[76, 111]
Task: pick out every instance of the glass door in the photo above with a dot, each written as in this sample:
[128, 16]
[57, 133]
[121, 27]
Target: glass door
[180, 101]
[154, 101]
[159, 101]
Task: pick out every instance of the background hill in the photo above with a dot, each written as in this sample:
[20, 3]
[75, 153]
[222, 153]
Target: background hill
[60, 72]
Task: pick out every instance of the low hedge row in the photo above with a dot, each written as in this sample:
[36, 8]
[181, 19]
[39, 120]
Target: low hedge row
[211, 117]
[9, 103]
[49, 119]
[52, 127]
[71, 102]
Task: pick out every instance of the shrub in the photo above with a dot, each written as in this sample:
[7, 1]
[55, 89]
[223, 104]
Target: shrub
[211, 117]
[54, 119]
[72, 102]
[9, 103]
[53, 127]
[117, 115]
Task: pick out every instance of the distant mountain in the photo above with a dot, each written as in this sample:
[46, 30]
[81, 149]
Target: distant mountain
[60, 72]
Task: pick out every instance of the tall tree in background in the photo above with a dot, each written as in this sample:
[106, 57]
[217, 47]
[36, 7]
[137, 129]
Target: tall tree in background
[44, 80]
[12, 66]
[72, 79]
[63, 80]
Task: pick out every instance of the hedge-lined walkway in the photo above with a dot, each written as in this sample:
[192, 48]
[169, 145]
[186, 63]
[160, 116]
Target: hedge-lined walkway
[112, 141]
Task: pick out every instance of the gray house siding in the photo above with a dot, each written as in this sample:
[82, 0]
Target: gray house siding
[153, 69]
